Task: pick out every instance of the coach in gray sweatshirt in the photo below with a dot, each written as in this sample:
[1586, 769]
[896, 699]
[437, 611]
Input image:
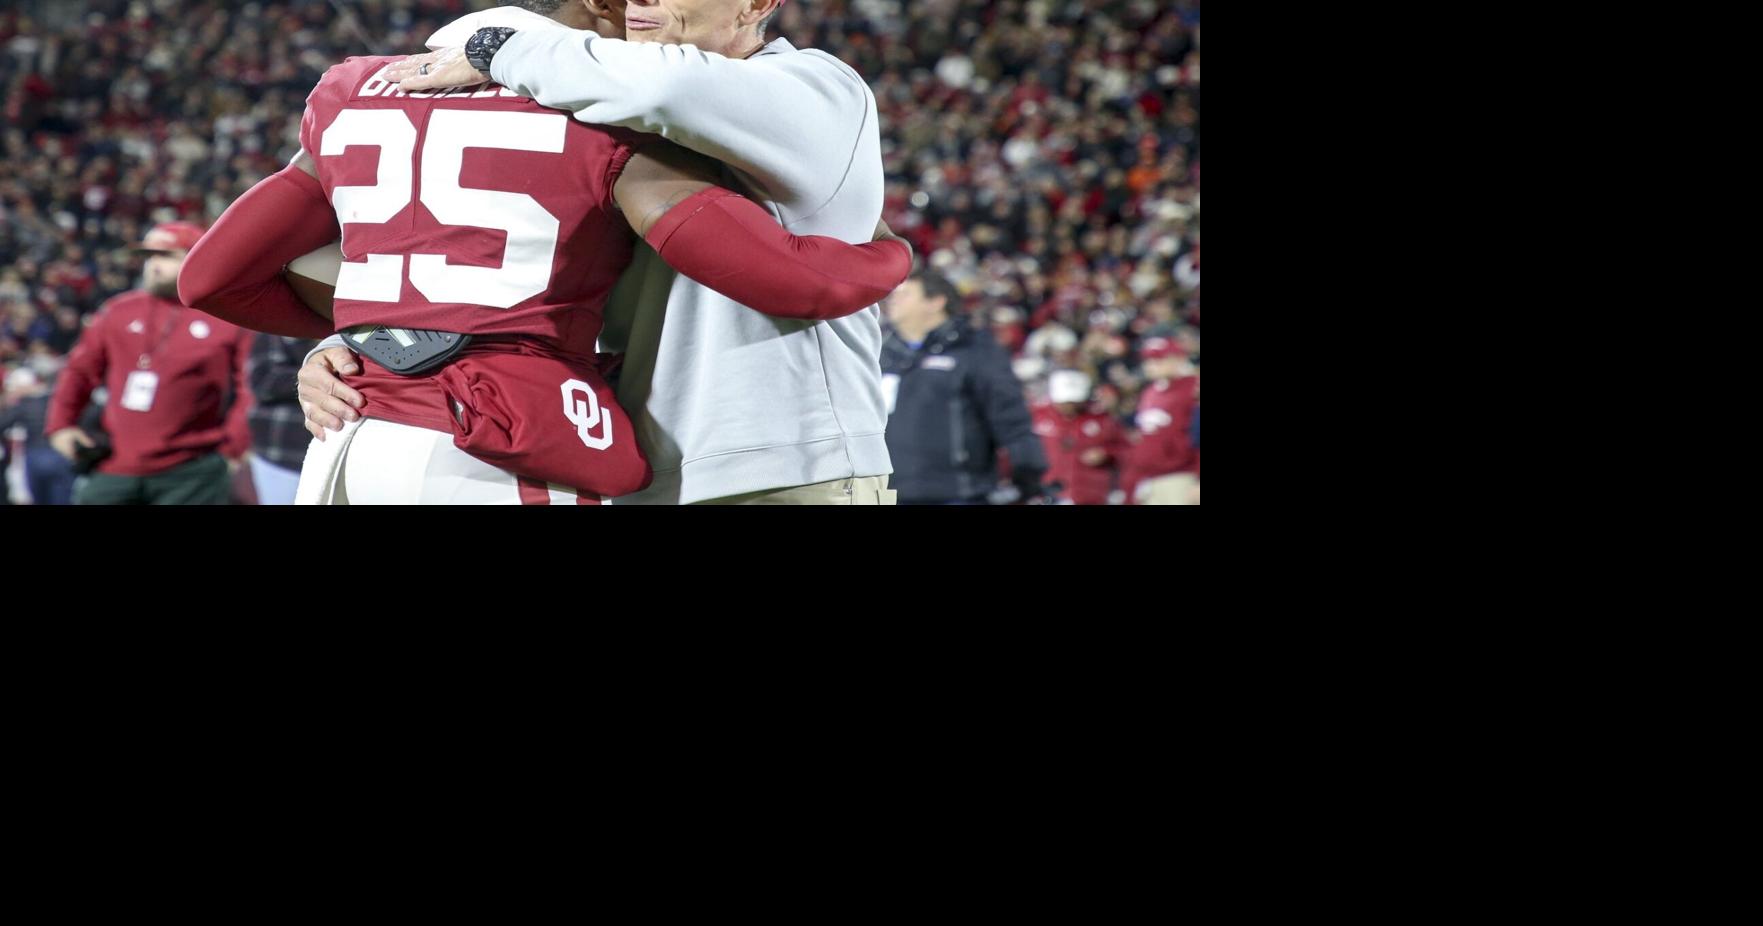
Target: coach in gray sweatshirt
[730, 405]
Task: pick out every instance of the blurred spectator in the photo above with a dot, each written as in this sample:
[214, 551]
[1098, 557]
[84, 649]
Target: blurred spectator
[48, 475]
[278, 430]
[1163, 465]
[170, 372]
[1195, 435]
[1084, 442]
[953, 402]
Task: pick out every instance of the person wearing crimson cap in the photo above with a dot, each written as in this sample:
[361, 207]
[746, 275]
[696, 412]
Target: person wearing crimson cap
[171, 373]
[1162, 468]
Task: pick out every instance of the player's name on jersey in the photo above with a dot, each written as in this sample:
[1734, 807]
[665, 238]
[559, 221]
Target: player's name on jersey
[378, 86]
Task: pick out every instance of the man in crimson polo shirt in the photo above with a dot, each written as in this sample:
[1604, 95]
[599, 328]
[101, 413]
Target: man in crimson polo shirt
[171, 372]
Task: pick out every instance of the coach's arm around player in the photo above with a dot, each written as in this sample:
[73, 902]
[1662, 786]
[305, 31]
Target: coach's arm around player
[777, 114]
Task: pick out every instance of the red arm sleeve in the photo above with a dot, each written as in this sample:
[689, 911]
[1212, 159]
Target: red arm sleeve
[235, 272]
[83, 373]
[730, 244]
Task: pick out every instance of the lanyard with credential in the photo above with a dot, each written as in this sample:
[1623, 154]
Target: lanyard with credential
[164, 333]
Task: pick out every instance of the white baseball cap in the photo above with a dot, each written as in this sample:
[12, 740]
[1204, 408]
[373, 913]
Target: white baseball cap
[22, 378]
[1068, 386]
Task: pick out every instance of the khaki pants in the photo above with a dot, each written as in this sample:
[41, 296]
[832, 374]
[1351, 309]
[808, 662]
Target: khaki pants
[1174, 489]
[863, 490]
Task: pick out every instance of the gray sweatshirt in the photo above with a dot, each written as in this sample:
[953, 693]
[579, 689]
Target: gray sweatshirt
[727, 400]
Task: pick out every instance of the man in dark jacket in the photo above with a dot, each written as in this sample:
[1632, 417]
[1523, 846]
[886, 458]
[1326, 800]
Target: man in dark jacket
[953, 402]
[48, 475]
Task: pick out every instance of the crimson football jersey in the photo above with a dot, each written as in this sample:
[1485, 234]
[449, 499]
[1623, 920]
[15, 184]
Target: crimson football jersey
[477, 210]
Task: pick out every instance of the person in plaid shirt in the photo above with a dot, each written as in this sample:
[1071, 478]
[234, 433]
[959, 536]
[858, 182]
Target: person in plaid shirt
[278, 428]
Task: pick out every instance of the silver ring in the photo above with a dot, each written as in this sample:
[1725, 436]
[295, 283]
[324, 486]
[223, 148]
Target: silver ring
[424, 70]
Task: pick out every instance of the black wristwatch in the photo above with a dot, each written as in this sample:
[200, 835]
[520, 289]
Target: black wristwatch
[483, 45]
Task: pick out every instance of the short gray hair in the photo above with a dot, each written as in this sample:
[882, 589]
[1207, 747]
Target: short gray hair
[542, 7]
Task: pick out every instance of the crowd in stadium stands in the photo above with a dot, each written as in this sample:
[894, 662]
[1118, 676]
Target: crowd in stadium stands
[1044, 155]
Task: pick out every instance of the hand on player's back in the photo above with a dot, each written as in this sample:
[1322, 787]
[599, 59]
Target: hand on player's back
[447, 68]
[323, 397]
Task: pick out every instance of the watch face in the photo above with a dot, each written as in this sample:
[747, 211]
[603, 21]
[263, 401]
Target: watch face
[482, 45]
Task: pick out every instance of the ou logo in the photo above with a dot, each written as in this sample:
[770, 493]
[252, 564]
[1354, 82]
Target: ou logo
[585, 415]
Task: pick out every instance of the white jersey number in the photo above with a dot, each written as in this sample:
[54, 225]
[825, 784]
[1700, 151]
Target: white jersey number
[532, 231]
